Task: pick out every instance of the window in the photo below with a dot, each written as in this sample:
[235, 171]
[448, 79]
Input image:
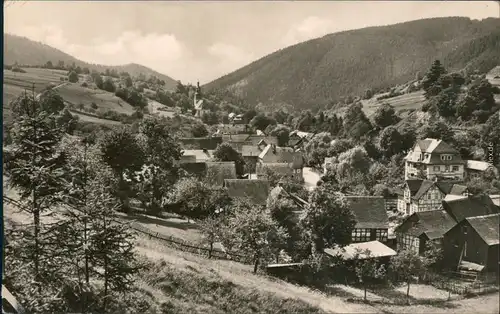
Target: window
[381, 235]
[361, 235]
[449, 157]
[437, 168]
[408, 242]
[455, 168]
[446, 168]
[465, 248]
[443, 157]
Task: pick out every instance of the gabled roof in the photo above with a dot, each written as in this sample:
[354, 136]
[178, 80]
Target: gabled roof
[487, 227]
[217, 172]
[458, 189]
[201, 142]
[236, 138]
[277, 154]
[251, 150]
[356, 250]
[449, 187]
[255, 190]
[256, 139]
[425, 186]
[369, 211]
[232, 128]
[434, 148]
[200, 154]
[471, 206]
[414, 185]
[433, 223]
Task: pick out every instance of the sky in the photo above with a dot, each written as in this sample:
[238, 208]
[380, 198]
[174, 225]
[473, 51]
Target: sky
[204, 40]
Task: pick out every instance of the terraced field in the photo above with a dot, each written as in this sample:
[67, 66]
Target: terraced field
[75, 94]
[401, 103]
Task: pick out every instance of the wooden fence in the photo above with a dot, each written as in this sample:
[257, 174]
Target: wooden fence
[185, 246]
[459, 287]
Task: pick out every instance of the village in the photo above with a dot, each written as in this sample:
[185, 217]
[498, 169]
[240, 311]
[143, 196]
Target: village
[358, 172]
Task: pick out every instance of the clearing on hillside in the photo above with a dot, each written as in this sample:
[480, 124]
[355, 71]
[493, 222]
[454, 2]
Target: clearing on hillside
[404, 102]
[75, 94]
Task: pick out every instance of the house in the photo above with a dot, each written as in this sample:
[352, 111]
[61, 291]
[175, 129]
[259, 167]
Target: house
[432, 225]
[434, 159]
[420, 227]
[10, 303]
[372, 222]
[275, 154]
[495, 198]
[394, 199]
[475, 168]
[256, 191]
[298, 139]
[422, 195]
[195, 169]
[200, 155]
[283, 170]
[200, 142]
[472, 244]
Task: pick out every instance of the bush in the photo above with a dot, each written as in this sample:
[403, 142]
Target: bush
[73, 77]
[94, 105]
[84, 84]
[18, 69]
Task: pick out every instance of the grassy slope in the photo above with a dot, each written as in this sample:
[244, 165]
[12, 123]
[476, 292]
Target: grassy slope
[16, 83]
[323, 70]
[25, 51]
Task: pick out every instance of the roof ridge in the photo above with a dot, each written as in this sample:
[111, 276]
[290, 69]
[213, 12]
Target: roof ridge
[483, 216]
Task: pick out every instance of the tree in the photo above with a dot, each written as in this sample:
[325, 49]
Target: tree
[210, 118]
[51, 102]
[355, 123]
[108, 85]
[97, 78]
[251, 229]
[34, 166]
[431, 79]
[73, 77]
[199, 130]
[390, 141]
[282, 133]
[122, 153]
[49, 65]
[280, 116]
[385, 115]
[128, 81]
[161, 151]
[328, 219]
[407, 265]
[224, 152]
[367, 268]
[261, 121]
[437, 130]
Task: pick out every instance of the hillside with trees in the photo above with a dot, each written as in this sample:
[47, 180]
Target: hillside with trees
[326, 70]
[24, 51]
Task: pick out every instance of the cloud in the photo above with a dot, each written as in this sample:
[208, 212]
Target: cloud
[161, 52]
[229, 57]
[309, 28]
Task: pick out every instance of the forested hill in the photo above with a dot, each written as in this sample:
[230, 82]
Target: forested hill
[323, 70]
[27, 52]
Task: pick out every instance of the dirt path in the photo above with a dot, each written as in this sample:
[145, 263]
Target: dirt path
[243, 276]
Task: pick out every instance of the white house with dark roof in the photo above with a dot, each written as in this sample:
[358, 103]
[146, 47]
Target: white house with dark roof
[476, 168]
[424, 195]
[434, 159]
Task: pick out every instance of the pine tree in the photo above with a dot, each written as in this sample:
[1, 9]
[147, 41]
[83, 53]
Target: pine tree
[34, 164]
[431, 79]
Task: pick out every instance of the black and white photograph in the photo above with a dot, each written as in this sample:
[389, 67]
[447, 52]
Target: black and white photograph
[288, 157]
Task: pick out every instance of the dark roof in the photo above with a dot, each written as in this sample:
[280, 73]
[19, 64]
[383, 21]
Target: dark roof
[236, 138]
[201, 142]
[197, 169]
[425, 185]
[217, 172]
[369, 211]
[471, 206]
[433, 223]
[458, 189]
[255, 139]
[487, 227]
[414, 185]
[256, 190]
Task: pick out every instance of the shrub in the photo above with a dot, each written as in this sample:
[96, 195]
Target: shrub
[18, 69]
[84, 84]
[94, 105]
